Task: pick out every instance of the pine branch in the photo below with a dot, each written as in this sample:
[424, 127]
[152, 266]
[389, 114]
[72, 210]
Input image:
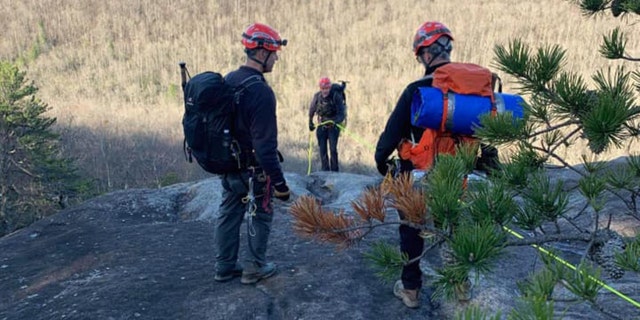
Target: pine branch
[554, 128]
[408, 199]
[371, 204]
[22, 169]
[548, 238]
[313, 222]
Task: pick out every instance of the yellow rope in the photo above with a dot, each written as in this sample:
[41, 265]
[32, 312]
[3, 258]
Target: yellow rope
[604, 285]
[564, 262]
[310, 143]
[343, 129]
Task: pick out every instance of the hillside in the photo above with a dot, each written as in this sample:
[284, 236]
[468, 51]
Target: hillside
[109, 70]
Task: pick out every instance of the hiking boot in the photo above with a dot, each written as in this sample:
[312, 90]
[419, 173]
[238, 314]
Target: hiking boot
[226, 276]
[408, 297]
[251, 277]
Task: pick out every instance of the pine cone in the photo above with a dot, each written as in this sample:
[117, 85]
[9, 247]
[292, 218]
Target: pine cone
[604, 250]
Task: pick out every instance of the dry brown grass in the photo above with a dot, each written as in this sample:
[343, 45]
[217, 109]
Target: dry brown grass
[109, 69]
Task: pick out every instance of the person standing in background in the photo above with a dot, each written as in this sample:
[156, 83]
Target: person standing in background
[329, 106]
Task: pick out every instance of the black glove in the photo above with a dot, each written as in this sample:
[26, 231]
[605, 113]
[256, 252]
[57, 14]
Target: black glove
[311, 126]
[382, 167]
[282, 191]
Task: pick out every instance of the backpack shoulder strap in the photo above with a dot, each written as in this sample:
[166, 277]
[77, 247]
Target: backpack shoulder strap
[496, 80]
[246, 83]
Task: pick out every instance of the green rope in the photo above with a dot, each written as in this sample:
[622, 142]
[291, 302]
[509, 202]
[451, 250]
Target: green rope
[343, 129]
[604, 285]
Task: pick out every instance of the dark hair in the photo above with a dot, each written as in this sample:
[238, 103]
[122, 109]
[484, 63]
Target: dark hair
[251, 52]
[438, 47]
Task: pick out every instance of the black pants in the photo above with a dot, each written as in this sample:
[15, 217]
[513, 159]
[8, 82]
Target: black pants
[412, 245]
[330, 134]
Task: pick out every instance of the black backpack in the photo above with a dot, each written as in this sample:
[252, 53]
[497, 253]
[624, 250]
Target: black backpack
[337, 92]
[208, 121]
[338, 96]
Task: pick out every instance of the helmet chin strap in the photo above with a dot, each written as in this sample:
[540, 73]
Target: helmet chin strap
[434, 55]
[263, 64]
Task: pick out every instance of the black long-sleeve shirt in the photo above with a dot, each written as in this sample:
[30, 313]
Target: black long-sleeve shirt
[399, 125]
[256, 126]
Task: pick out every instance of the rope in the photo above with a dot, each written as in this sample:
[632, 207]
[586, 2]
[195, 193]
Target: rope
[354, 137]
[310, 153]
[564, 262]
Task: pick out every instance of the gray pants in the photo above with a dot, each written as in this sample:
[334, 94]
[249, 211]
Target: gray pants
[232, 211]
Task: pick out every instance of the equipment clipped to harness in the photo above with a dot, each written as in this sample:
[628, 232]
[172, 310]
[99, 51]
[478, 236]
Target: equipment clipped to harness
[252, 207]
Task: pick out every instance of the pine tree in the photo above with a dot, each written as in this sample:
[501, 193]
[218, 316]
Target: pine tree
[35, 180]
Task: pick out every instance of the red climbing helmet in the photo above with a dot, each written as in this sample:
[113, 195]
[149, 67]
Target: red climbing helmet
[428, 33]
[260, 35]
[324, 83]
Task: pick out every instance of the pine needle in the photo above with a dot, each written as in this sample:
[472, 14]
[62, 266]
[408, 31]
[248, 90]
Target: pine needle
[371, 204]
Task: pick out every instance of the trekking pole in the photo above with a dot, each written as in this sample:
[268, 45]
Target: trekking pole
[183, 73]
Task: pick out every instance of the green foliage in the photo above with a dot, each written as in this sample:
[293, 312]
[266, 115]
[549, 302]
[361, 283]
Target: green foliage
[592, 6]
[622, 178]
[527, 218]
[533, 309]
[515, 172]
[492, 202]
[591, 187]
[613, 46]
[450, 281]
[544, 199]
[534, 72]
[514, 59]
[573, 98]
[35, 179]
[474, 312]
[467, 153]
[606, 123]
[629, 259]
[386, 260]
[477, 245]
[501, 128]
[540, 285]
[444, 190]
[584, 282]
[633, 161]
[604, 117]
[618, 7]
[558, 269]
